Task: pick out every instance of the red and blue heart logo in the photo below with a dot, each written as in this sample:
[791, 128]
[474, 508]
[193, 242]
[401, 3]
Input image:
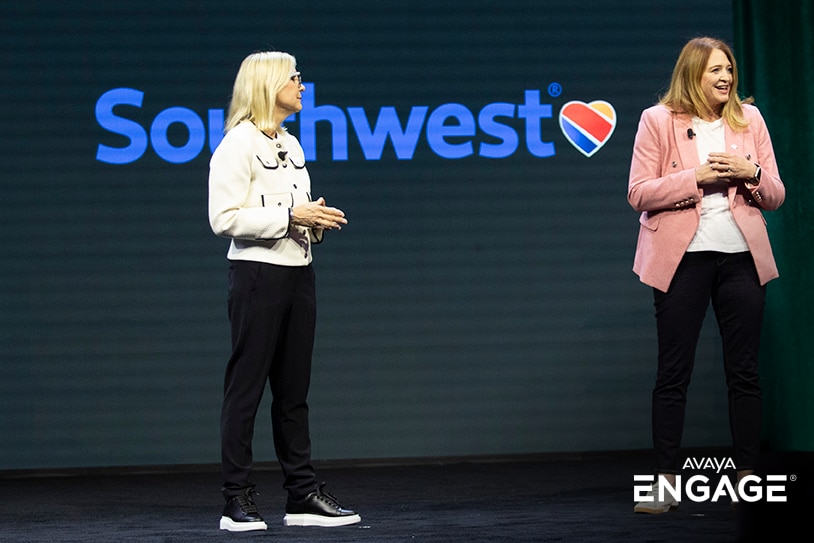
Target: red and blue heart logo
[587, 126]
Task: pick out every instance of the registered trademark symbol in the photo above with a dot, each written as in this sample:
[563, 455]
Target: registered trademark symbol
[792, 477]
[554, 90]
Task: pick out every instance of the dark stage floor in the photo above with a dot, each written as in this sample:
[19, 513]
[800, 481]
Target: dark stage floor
[569, 498]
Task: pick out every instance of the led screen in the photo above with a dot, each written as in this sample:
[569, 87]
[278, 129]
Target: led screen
[479, 302]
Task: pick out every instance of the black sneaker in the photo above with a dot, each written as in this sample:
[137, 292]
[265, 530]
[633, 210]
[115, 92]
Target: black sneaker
[240, 514]
[318, 509]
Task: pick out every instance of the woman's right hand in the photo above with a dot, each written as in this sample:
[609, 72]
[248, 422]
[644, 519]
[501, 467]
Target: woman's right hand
[705, 174]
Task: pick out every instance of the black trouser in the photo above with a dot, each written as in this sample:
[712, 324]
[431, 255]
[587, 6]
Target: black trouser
[731, 282]
[272, 311]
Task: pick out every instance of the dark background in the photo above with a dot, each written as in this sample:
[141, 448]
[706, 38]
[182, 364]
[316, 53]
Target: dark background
[473, 306]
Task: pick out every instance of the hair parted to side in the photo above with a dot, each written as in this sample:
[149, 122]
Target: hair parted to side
[685, 94]
[260, 77]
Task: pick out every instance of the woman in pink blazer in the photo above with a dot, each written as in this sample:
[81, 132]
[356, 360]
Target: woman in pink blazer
[703, 171]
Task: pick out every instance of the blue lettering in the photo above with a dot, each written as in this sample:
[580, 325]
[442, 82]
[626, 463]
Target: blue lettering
[216, 125]
[310, 115]
[450, 129]
[193, 146]
[437, 130]
[533, 111]
[506, 134]
[388, 124]
[118, 125]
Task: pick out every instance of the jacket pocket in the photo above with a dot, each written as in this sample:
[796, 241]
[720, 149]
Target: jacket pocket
[650, 220]
[279, 199]
[268, 163]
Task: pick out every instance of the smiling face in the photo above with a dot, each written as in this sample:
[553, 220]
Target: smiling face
[716, 81]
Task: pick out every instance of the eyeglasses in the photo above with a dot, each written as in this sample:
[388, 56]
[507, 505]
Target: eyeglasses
[297, 78]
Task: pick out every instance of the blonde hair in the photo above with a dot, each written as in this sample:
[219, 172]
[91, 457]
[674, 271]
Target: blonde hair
[260, 77]
[686, 95]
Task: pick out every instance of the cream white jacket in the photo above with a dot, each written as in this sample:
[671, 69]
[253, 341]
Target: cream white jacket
[254, 181]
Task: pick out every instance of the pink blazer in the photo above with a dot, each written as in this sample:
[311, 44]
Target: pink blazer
[662, 186]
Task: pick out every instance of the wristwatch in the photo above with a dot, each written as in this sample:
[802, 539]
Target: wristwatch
[755, 181]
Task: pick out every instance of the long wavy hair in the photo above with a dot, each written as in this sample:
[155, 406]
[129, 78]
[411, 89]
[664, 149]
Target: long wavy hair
[686, 95]
[261, 76]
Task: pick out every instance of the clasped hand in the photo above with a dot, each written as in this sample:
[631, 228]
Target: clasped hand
[724, 167]
[317, 214]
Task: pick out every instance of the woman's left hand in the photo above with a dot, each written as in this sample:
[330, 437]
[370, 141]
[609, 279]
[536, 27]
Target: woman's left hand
[318, 215]
[731, 167]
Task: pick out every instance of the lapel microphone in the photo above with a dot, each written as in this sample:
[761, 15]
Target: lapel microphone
[690, 133]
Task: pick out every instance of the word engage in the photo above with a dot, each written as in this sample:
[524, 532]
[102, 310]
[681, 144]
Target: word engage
[450, 129]
[697, 488]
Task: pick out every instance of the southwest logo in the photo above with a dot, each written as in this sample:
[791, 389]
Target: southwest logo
[451, 131]
[587, 126]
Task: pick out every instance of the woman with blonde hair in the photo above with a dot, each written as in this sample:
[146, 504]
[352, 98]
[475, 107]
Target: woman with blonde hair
[702, 174]
[260, 198]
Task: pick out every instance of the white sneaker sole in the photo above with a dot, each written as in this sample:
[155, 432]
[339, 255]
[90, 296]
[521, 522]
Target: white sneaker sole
[228, 524]
[306, 519]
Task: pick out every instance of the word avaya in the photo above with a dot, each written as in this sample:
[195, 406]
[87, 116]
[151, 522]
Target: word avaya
[709, 463]
[697, 488]
[450, 129]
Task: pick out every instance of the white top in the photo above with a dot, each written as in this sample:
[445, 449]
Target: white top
[717, 230]
[253, 182]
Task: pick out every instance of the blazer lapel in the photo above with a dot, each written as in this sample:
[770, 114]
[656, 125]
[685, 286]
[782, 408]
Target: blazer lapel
[734, 141]
[734, 146]
[687, 150]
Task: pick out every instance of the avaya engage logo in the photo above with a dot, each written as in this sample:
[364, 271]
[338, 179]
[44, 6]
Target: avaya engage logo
[451, 129]
[701, 488]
